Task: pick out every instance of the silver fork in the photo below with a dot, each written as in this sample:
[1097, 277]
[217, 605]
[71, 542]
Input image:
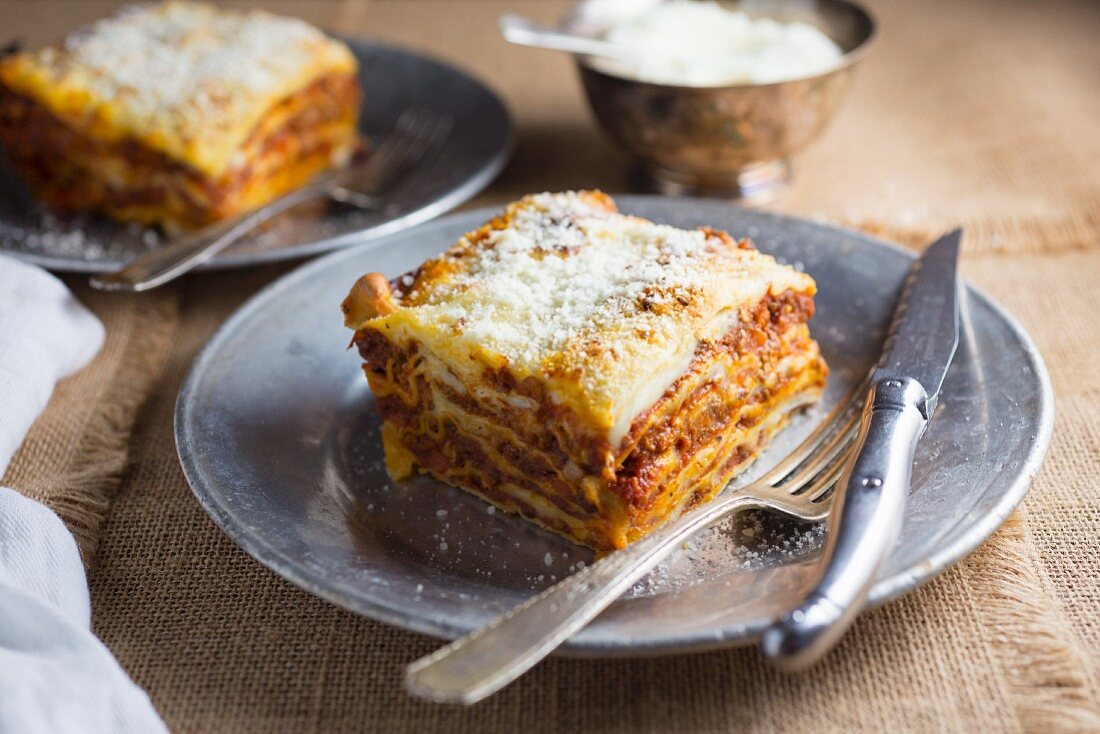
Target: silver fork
[416, 135]
[484, 661]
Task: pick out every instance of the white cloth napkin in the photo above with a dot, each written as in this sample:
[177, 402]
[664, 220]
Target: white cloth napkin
[55, 676]
[45, 334]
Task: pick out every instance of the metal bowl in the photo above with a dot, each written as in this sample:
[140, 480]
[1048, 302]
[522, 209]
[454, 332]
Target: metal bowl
[723, 141]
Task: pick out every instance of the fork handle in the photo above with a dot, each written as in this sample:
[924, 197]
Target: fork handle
[170, 262]
[863, 528]
[484, 661]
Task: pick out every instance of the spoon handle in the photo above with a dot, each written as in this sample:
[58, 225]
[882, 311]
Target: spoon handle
[523, 32]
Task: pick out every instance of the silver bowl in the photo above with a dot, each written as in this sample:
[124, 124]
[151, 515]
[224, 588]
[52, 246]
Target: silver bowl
[722, 141]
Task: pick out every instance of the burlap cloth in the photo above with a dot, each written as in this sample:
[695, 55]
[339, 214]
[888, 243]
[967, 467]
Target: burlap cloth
[978, 113]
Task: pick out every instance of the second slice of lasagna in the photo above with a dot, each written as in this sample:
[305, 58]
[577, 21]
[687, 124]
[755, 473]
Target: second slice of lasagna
[594, 372]
[179, 113]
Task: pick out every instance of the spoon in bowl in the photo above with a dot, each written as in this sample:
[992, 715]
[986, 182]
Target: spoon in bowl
[524, 32]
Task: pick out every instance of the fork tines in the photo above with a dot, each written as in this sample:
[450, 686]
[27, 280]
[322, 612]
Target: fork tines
[812, 469]
[415, 134]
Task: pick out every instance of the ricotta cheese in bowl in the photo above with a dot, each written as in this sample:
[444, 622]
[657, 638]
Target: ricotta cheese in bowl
[703, 44]
[714, 98]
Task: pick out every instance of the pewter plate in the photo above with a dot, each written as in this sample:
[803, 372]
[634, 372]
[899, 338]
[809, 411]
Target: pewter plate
[393, 80]
[278, 436]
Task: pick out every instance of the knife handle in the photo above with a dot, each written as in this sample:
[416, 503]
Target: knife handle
[863, 527]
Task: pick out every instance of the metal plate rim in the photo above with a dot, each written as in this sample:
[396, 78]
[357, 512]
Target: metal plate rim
[735, 635]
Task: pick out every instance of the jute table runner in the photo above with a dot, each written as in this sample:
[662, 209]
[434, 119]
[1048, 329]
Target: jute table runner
[976, 113]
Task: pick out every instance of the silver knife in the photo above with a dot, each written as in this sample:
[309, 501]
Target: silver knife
[869, 507]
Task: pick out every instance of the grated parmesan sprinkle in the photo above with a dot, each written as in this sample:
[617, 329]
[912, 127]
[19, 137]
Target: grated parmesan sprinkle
[566, 270]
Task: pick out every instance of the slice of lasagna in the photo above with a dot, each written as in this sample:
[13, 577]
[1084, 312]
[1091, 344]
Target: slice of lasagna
[178, 113]
[596, 373]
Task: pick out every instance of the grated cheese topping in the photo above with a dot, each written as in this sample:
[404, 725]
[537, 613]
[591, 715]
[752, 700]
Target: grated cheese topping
[186, 78]
[608, 307]
[565, 270]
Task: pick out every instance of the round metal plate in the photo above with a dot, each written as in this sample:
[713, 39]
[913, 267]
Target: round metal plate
[278, 436]
[393, 80]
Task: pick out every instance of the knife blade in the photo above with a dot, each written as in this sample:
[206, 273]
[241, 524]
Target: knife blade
[924, 332]
[871, 494]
